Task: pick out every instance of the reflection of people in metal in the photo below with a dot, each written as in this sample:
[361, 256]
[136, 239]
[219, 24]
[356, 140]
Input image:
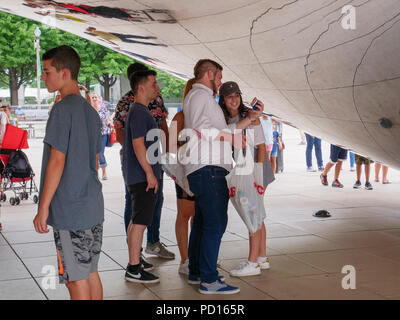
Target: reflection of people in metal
[102, 11]
[118, 38]
[149, 15]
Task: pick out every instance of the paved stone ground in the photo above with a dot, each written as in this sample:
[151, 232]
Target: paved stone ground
[307, 254]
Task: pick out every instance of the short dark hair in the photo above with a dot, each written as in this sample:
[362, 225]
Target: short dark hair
[203, 65]
[64, 57]
[135, 67]
[140, 77]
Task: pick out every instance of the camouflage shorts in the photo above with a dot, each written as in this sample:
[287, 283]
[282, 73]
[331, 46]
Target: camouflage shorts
[361, 160]
[78, 252]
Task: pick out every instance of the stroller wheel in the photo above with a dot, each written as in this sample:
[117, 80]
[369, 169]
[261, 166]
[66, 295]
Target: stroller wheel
[12, 201]
[26, 195]
[22, 196]
[35, 198]
[4, 197]
[17, 201]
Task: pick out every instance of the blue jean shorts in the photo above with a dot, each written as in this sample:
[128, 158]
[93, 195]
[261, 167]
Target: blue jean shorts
[274, 151]
[337, 154]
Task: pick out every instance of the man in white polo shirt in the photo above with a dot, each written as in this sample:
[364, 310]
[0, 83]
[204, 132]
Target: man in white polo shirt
[210, 160]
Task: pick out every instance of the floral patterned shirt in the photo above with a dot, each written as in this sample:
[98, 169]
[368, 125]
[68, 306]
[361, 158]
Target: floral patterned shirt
[104, 114]
[156, 108]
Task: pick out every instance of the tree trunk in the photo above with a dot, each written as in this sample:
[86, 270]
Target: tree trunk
[106, 86]
[13, 86]
[87, 83]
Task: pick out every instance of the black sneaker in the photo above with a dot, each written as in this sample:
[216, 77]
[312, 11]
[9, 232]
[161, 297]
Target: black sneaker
[147, 266]
[337, 184]
[357, 185]
[138, 275]
[324, 179]
[368, 185]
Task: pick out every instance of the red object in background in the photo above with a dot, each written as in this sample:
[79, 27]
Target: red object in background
[15, 138]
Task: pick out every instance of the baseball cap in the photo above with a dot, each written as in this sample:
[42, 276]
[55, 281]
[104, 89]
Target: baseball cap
[228, 88]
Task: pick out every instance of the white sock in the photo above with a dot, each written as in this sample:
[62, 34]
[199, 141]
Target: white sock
[253, 264]
[261, 259]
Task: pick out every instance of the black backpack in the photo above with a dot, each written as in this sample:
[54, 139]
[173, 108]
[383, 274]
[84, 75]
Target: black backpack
[18, 165]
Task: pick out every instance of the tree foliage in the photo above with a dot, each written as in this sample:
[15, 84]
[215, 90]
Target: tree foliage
[99, 64]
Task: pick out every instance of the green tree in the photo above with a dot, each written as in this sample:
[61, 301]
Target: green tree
[99, 64]
[172, 87]
[112, 64]
[17, 62]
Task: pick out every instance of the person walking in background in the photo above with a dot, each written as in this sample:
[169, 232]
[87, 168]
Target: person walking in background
[337, 156]
[385, 170]
[352, 161]
[266, 123]
[311, 143]
[367, 164]
[302, 137]
[105, 118]
[276, 146]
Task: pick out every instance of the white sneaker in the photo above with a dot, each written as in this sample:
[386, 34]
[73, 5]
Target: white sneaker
[184, 267]
[264, 265]
[245, 269]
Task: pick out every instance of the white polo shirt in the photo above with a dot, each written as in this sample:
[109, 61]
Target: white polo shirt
[203, 114]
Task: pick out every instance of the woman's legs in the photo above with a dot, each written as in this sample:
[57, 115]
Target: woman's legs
[102, 158]
[258, 244]
[273, 164]
[385, 170]
[377, 169]
[185, 212]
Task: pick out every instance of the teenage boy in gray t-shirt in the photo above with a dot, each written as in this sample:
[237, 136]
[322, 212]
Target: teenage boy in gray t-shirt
[70, 196]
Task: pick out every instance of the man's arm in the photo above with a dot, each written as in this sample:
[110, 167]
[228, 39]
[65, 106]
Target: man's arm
[141, 154]
[54, 171]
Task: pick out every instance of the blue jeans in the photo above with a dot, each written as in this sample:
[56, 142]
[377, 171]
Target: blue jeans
[352, 160]
[102, 158]
[210, 220]
[153, 231]
[311, 142]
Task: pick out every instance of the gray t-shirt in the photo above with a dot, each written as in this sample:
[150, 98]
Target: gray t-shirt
[138, 123]
[74, 128]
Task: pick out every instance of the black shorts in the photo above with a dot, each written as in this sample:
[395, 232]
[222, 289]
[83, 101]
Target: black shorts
[180, 194]
[143, 203]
